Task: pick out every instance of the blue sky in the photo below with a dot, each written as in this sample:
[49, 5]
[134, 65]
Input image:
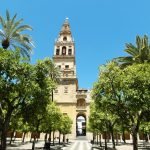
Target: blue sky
[100, 28]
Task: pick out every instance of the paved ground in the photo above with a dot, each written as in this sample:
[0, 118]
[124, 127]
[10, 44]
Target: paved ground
[78, 144]
[26, 146]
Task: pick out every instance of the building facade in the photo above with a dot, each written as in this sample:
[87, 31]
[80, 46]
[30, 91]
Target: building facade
[72, 100]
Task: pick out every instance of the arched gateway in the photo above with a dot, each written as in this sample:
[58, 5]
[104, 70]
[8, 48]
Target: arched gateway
[81, 124]
[72, 101]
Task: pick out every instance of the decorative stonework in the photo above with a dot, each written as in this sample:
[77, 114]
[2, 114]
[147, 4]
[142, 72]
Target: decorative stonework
[69, 98]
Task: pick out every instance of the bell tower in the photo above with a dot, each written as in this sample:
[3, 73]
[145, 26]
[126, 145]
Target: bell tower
[72, 101]
[64, 58]
[64, 52]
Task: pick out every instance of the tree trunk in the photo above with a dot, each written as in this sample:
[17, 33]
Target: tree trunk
[100, 142]
[53, 137]
[33, 144]
[64, 138]
[116, 138]
[135, 140]
[50, 138]
[24, 137]
[93, 138]
[112, 136]
[97, 138]
[5, 128]
[12, 135]
[59, 137]
[50, 134]
[146, 137]
[123, 136]
[105, 140]
[3, 139]
[45, 138]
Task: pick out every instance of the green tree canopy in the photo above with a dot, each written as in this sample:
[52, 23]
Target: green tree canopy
[124, 92]
[24, 89]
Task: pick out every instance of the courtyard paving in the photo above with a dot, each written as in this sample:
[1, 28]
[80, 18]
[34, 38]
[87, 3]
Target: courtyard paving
[78, 144]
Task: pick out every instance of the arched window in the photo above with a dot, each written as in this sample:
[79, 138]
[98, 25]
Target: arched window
[63, 50]
[64, 38]
[70, 52]
[81, 102]
[66, 90]
[57, 51]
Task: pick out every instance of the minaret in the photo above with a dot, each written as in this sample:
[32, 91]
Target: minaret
[64, 52]
[72, 101]
[64, 58]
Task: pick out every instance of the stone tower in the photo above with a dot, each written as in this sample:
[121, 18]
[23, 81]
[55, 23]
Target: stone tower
[72, 101]
[64, 58]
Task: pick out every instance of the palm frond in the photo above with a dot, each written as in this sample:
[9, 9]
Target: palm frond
[139, 53]
[2, 22]
[11, 32]
[16, 24]
[131, 49]
[138, 42]
[22, 28]
[125, 59]
[145, 41]
[2, 34]
[25, 45]
[7, 15]
[12, 21]
[23, 51]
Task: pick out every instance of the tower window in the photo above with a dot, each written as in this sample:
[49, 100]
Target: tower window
[57, 51]
[64, 38]
[63, 50]
[70, 52]
[66, 90]
[66, 66]
[59, 66]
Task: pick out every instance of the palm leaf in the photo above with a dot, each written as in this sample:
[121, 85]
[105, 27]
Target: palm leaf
[2, 21]
[12, 21]
[16, 24]
[131, 49]
[22, 28]
[7, 16]
[2, 34]
[139, 53]
[23, 51]
[11, 32]
[138, 42]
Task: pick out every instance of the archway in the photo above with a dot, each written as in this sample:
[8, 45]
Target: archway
[81, 125]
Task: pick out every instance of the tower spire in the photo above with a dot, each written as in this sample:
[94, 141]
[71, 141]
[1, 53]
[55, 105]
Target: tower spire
[66, 27]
